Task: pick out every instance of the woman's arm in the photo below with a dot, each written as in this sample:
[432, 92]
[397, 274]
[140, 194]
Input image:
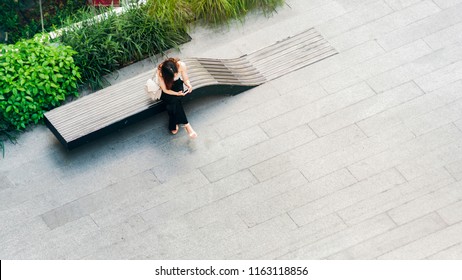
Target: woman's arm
[164, 87]
[184, 74]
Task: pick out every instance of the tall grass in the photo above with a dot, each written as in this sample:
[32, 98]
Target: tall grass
[92, 39]
[217, 12]
[146, 35]
[177, 14]
[113, 41]
[267, 6]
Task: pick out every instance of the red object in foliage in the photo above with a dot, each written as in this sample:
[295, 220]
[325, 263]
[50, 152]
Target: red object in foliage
[106, 3]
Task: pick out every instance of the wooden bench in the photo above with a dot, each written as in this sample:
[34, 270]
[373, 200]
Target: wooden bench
[111, 108]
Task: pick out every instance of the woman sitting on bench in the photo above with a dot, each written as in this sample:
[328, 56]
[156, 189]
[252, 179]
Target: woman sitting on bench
[171, 74]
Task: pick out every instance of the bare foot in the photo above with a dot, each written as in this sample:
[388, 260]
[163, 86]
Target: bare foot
[174, 131]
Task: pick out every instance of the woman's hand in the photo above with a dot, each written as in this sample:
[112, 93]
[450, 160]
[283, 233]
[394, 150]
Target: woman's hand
[189, 90]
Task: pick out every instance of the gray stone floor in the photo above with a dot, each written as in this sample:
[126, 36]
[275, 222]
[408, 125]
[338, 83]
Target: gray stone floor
[356, 157]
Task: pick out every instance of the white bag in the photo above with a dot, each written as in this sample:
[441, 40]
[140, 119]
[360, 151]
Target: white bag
[153, 89]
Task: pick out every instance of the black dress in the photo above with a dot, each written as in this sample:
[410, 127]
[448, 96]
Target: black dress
[174, 106]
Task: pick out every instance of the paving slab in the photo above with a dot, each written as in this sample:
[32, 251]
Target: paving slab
[344, 239]
[429, 245]
[420, 29]
[395, 238]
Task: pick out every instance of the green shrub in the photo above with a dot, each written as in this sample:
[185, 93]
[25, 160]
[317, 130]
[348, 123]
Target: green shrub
[34, 78]
[112, 41]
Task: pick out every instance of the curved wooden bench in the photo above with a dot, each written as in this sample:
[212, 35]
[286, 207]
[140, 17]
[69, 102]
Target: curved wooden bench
[113, 107]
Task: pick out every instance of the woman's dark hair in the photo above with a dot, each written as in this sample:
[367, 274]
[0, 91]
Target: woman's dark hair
[168, 70]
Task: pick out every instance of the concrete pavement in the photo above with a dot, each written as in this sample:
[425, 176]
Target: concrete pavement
[358, 156]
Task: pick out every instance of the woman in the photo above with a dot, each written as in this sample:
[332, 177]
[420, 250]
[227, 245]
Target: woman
[171, 74]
